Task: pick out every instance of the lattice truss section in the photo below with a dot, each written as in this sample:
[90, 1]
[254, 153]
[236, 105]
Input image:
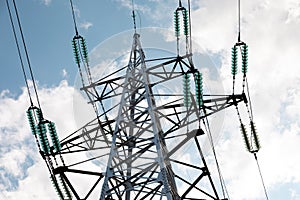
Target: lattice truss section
[146, 140]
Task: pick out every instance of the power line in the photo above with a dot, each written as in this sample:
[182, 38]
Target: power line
[133, 16]
[74, 18]
[26, 53]
[260, 173]
[222, 181]
[19, 52]
[190, 25]
[239, 20]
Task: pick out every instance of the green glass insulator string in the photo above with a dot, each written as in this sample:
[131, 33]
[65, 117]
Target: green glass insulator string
[54, 136]
[245, 137]
[185, 22]
[42, 133]
[176, 23]
[34, 115]
[186, 90]
[199, 88]
[31, 121]
[244, 53]
[234, 60]
[255, 137]
[84, 49]
[234, 64]
[245, 59]
[76, 46]
[85, 58]
[65, 188]
[56, 187]
[76, 51]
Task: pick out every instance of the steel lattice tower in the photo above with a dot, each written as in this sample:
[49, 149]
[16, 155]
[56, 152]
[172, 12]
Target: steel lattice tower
[149, 138]
[145, 136]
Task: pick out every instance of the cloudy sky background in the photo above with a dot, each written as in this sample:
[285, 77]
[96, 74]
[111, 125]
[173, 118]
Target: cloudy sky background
[270, 28]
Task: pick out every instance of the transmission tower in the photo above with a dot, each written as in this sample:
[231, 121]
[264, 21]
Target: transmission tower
[149, 138]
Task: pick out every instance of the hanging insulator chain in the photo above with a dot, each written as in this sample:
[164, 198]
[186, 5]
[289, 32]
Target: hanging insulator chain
[34, 115]
[76, 46]
[76, 51]
[255, 137]
[54, 136]
[186, 90]
[84, 49]
[31, 121]
[86, 58]
[65, 188]
[176, 23]
[185, 22]
[234, 60]
[42, 133]
[245, 136]
[244, 59]
[56, 187]
[199, 88]
[185, 15]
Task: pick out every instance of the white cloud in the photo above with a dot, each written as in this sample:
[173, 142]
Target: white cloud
[85, 25]
[64, 73]
[153, 9]
[270, 29]
[23, 172]
[76, 11]
[47, 2]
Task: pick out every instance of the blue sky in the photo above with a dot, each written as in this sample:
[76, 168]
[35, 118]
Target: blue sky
[271, 28]
[48, 29]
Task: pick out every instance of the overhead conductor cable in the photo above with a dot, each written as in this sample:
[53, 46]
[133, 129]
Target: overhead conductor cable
[252, 143]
